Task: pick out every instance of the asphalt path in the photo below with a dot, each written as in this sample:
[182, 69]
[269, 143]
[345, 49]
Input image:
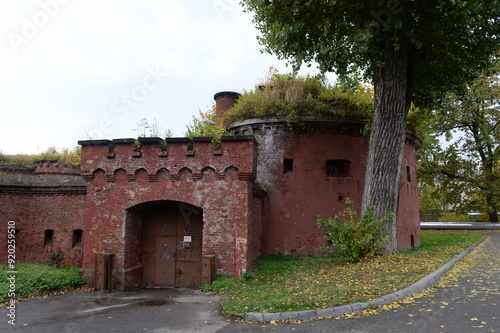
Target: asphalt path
[466, 300]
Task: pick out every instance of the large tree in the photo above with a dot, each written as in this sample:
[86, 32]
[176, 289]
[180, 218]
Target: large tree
[411, 50]
[468, 167]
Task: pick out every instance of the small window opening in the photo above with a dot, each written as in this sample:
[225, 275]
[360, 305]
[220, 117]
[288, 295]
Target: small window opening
[337, 168]
[412, 241]
[288, 166]
[408, 174]
[49, 233]
[77, 237]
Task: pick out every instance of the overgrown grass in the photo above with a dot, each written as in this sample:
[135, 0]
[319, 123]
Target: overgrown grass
[283, 283]
[33, 278]
[290, 97]
[64, 156]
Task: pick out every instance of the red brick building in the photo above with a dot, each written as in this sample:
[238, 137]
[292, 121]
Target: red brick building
[170, 215]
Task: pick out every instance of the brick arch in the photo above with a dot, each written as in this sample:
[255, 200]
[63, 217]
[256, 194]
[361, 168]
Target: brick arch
[163, 174]
[208, 173]
[231, 172]
[141, 175]
[99, 177]
[120, 175]
[185, 174]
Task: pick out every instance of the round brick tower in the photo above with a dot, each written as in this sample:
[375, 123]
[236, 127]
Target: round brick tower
[311, 170]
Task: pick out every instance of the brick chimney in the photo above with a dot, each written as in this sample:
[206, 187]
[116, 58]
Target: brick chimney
[223, 101]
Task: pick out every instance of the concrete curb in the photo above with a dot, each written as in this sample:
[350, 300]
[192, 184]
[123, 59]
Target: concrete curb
[421, 285]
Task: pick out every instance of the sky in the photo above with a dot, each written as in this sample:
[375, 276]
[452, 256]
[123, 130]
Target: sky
[85, 69]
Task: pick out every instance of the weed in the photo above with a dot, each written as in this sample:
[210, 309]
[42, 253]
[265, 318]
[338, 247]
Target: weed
[220, 284]
[55, 258]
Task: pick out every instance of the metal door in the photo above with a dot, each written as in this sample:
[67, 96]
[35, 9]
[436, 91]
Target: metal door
[172, 248]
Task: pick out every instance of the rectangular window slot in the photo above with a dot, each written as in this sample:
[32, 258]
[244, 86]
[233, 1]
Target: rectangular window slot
[337, 168]
[408, 174]
[49, 234]
[77, 237]
[288, 166]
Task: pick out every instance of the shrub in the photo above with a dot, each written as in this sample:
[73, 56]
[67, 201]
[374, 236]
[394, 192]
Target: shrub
[355, 238]
[451, 217]
[55, 258]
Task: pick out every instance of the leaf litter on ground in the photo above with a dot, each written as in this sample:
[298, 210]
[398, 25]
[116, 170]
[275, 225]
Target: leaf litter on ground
[282, 283]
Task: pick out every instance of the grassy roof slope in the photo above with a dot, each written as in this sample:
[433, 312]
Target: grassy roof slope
[288, 96]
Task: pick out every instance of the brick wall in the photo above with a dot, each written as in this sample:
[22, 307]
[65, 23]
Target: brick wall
[36, 204]
[121, 181]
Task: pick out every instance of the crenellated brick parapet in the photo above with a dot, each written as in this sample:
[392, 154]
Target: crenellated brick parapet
[173, 158]
[53, 167]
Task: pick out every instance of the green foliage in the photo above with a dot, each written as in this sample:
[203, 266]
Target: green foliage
[285, 283]
[356, 36]
[220, 284]
[450, 217]
[205, 126]
[465, 172]
[32, 278]
[64, 156]
[55, 258]
[137, 145]
[355, 237]
[289, 96]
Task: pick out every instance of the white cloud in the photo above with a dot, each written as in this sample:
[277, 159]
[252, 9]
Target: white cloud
[66, 77]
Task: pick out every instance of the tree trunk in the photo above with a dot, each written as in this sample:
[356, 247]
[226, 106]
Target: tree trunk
[492, 208]
[385, 154]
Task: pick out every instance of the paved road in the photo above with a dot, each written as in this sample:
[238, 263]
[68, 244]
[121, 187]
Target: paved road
[468, 301]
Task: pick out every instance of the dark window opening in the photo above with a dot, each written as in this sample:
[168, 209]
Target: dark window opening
[337, 168]
[49, 233]
[412, 241]
[408, 174]
[288, 166]
[77, 237]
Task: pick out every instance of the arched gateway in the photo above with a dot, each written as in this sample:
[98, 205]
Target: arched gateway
[171, 243]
